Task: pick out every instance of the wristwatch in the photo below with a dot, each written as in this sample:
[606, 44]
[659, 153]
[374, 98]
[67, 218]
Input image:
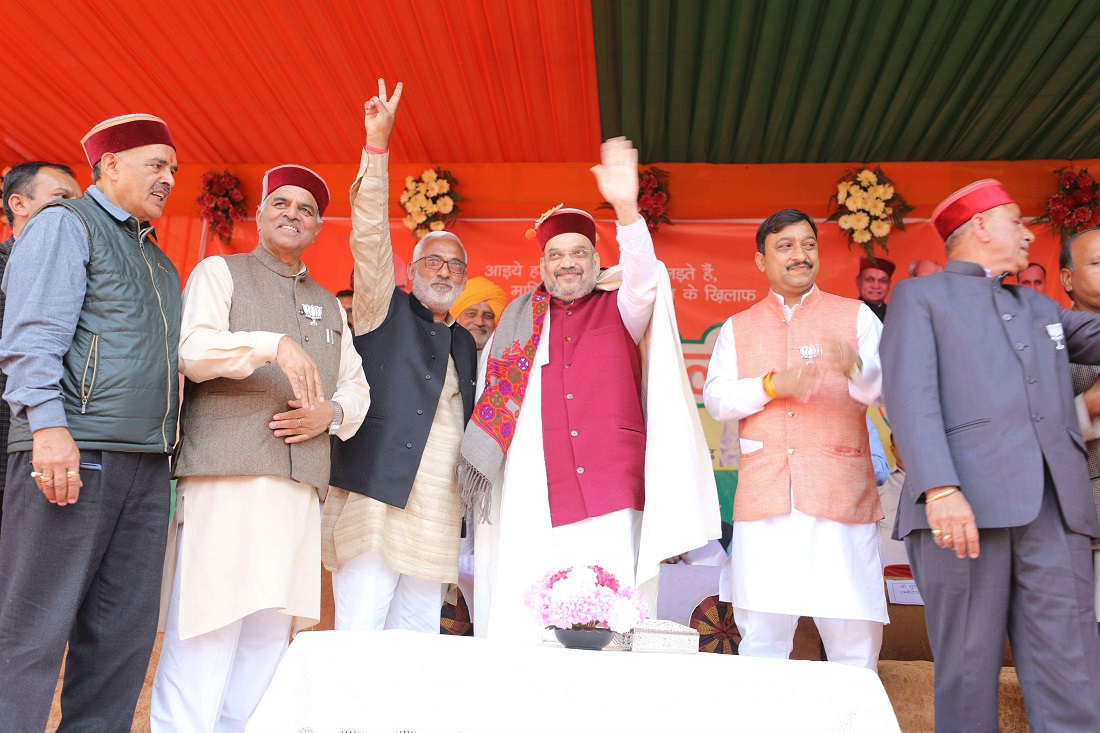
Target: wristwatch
[337, 418]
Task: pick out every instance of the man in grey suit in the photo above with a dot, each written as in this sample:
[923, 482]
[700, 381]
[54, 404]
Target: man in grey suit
[1080, 275]
[996, 512]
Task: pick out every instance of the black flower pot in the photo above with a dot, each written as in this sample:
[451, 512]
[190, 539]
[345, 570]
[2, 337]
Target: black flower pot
[594, 639]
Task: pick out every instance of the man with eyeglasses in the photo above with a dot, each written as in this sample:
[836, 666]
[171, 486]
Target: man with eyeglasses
[627, 484]
[392, 520]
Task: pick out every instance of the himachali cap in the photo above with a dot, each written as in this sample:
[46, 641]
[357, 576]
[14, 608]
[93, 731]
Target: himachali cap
[880, 263]
[957, 209]
[300, 176]
[125, 132]
[563, 221]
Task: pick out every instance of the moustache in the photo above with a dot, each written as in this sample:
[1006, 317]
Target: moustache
[805, 263]
[570, 271]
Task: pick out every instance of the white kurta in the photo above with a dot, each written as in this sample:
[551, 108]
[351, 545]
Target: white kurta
[252, 542]
[796, 564]
[519, 545]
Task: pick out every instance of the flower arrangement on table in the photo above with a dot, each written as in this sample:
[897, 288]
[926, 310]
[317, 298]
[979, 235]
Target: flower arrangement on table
[653, 198]
[1076, 206]
[585, 597]
[429, 202]
[867, 206]
[222, 203]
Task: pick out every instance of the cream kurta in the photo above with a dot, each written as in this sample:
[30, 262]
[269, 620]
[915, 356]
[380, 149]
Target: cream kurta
[251, 542]
[421, 540]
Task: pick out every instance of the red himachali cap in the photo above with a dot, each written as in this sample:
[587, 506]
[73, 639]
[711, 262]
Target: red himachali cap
[957, 209]
[563, 221]
[880, 263]
[300, 176]
[125, 132]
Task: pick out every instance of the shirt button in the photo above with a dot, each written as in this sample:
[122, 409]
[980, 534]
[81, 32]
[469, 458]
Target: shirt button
[790, 413]
[419, 412]
[568, 312]
[408, 445]
[427, 376]
[574, 433]
[1006, 316]
[1032, 380]
[566, 366]
[790, 451]
[1036, 418]
[580, 469]
[433, 333]
[307, 338]
[569, 396]
[433, 356]
[567, 338]
[1019, 346]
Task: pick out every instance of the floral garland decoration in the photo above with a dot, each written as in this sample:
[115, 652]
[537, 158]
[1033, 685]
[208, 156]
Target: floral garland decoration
[586, 597]
[222, 203]
[429, 202]
[867, 205]
[1076, 206]
[653, 198]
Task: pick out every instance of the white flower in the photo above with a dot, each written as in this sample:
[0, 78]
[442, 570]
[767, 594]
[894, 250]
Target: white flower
[433, 189]
[410, 182]
[437, 226]
[624, 615]
[860, 221]
[887, 192]
[428, 176]
[444, 185]
[867, 177]
[845, 222]
[880, 228]
[445, 204]
[861, 235]
[841, 192]
[875, 207]
[409, 222]
[419, 216]
[421, 187]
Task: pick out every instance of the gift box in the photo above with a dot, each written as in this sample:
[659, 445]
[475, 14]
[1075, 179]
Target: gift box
[659, 635]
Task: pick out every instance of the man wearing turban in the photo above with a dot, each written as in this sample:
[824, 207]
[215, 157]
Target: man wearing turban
[478, 309]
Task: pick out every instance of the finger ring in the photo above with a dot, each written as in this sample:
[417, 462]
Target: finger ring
[301, 378]
[299, 422]
[36, 474]
[70, 474]
[946, 537]
[937, 532]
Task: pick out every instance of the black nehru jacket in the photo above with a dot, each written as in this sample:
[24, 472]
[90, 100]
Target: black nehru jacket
[405, 362]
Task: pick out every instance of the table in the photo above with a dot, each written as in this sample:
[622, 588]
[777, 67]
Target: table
[407, 682]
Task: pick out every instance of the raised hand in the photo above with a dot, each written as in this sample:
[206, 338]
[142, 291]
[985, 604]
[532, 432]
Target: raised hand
[617, 178]
[378, 114]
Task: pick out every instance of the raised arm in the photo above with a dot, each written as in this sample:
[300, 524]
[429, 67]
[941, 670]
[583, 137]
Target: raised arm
[617, 179]
[373, 278]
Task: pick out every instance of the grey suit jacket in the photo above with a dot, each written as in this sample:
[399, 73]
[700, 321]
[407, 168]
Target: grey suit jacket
[978, 395]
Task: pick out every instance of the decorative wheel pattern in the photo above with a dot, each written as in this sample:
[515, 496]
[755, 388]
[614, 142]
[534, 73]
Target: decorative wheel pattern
[718, 633]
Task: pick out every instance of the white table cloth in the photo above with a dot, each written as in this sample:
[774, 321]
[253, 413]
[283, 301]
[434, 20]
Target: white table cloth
[402, 681]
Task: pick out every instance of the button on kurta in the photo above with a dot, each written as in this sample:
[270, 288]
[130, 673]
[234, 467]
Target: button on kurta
[569, 396]
[1036, 418]
[1032, 380]
[419, 412]
[1006, 316]
[580, 469]
[408, 445]
[1019, 346]
[790, 413]
[574, 433]
[790, 451]
[427, 376]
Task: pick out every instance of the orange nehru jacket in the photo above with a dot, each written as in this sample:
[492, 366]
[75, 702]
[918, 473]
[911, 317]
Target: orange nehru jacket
[817, 450]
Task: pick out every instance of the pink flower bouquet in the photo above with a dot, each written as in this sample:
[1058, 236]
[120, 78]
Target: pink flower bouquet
[585, 597]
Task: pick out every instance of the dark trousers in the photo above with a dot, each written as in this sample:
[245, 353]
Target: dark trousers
[87, 574]
[1034, 583]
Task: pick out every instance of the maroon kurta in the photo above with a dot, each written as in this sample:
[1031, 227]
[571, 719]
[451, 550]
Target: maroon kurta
[593, 431]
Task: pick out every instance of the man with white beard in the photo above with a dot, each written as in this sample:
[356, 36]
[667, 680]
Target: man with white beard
[392, 519]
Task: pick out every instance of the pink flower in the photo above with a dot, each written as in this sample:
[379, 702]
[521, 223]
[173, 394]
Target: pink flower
[236, 195]
[223, 203]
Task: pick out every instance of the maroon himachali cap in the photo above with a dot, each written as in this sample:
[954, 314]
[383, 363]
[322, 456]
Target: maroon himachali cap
[300, 176]
[125, 132]
[957, 209]
[563, 221]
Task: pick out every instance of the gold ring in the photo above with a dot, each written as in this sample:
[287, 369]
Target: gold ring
[70, 474]
[937, 532]
[947, 538]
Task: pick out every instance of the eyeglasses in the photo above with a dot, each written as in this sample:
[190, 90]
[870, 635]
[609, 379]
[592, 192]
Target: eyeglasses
[579, 254]
[435, 262]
